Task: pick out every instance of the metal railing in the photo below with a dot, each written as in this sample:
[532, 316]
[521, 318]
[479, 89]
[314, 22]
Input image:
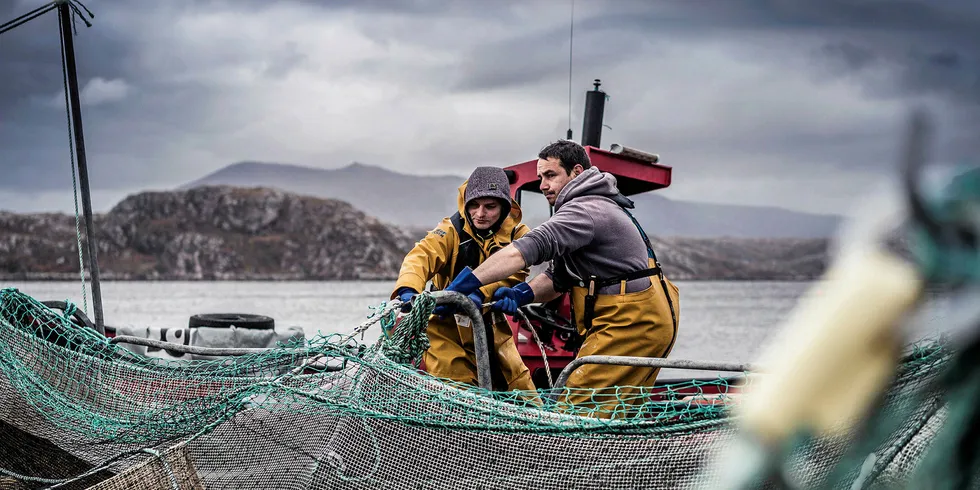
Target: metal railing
[481, 344]
[654, 362]
[187, 349]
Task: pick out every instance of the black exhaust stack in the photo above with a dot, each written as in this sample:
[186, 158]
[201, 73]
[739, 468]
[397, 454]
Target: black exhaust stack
[595, 104]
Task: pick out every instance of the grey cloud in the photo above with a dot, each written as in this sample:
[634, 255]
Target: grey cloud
[31, 59]
[906, 15]
[603, 36]
[897, 49]
[936, 42]
[175, 117]
[33, 136]
[400, 7]
[286, 60]
[944, 70]
[936, 45]
[531, 59]
[851, 56]
[122, 139]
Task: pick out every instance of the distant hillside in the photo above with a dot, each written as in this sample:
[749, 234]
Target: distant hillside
[228, 233]
[210, 233]
[415, 201]
[400, 199]
[783, 259]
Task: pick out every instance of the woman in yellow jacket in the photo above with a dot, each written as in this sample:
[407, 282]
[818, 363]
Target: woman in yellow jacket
[487, 220]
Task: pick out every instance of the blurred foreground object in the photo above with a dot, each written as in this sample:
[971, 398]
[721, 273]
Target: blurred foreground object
[827, 375]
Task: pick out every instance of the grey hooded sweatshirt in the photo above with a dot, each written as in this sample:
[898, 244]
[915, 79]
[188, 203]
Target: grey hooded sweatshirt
[591, 232]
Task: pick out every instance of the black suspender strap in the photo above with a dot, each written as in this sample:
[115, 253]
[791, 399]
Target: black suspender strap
[660, 272]
[594, 284]
[468, 252]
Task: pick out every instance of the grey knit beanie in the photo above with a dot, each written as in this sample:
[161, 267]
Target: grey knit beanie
[489, 182]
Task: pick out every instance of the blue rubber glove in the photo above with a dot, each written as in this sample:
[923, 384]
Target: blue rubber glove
[405, 294]
[442, 310]
[465, 283]
[508, 300]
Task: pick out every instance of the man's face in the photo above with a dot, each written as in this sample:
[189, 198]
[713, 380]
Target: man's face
[484, 212]
[554, 177]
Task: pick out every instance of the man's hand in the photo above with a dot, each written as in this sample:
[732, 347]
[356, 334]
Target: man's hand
[508, 300]
[405, 294]
[476, 297]
[465, 283]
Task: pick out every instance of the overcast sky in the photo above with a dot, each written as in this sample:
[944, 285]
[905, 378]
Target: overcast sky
[792, 103]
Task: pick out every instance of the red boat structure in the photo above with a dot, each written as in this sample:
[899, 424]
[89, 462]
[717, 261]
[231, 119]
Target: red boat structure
[636, 172]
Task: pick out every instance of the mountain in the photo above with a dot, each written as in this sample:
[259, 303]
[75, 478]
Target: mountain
[400, 199]
[232, 233]
[769, 259]
[665, 217]
[210, 233]
[419, 202]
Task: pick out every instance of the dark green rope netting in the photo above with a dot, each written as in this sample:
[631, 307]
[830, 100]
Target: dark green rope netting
[333, 412]
[84, 383]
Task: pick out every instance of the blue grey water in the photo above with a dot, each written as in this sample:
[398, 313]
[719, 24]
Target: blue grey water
[720, 321]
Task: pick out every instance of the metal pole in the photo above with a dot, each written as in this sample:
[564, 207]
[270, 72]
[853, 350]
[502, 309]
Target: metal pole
[655, 362]
[64, 16]
[480, 342]
[595, 103]
[194, 349]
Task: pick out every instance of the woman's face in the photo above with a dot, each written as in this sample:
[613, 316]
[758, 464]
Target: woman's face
[484, 212]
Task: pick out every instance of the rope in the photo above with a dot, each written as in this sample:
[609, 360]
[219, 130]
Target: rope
[201, 397]
[70, 309]
[73, 5]
[33, 14]
[74, 179]
[34, 479]
[408, 340]
[166, 467]
[78, 15]
[544, 357]
[385, 310]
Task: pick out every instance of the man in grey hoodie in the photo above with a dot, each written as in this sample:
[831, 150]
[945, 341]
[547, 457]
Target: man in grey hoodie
[622, 303]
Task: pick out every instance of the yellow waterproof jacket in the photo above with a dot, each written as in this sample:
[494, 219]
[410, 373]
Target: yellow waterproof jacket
[434, 257]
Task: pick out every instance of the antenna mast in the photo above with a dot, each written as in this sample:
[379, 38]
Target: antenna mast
[65, 10]
[571, 39]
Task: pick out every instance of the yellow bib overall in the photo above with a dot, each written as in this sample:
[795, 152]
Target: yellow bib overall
[625, 324]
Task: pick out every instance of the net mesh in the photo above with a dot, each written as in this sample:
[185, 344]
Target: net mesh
[78, 411]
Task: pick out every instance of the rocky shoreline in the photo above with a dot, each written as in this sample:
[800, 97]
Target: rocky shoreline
[224, 233]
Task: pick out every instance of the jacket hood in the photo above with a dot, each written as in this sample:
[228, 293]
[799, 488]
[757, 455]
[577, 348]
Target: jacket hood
[510, 218]
[591, 182]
